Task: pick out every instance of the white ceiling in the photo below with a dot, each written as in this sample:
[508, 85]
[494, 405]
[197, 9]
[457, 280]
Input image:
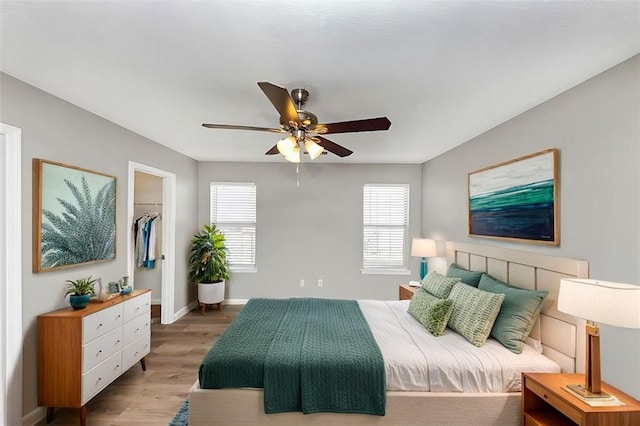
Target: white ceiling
[442, 71]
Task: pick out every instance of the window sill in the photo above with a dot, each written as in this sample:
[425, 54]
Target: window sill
[244, 270]
[381, 271]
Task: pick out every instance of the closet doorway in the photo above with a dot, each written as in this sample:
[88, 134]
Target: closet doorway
[151, 236]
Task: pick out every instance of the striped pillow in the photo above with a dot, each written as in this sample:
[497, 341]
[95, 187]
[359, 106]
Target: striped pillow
[438, 285]
[474, 312]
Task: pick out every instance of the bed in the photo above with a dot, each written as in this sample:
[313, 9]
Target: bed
[556, 332]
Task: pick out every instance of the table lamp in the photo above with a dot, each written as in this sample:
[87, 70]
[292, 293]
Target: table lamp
[598, 302]
[423, 247]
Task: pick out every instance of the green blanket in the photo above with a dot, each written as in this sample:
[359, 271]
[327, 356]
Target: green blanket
[309, 355]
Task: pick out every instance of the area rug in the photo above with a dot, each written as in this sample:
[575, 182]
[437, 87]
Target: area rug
[182, 415]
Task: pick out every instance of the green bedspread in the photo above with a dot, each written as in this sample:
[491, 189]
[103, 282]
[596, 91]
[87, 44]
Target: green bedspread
[309, 355]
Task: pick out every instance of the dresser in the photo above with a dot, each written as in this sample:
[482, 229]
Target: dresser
[81, 351]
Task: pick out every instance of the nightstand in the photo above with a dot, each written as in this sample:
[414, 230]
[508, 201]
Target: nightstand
[405, 292]
[546, 402]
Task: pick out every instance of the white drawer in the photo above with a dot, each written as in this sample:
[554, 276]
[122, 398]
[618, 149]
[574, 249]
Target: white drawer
[137, 306]
[97, 350]
[100, 376]
[135, 351]
[136, 328]
[95, 325]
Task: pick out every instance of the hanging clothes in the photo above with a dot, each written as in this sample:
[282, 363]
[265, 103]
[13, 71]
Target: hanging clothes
[145, 240]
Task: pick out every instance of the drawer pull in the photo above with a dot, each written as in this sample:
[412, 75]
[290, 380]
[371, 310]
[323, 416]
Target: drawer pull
[136, 354]
[118, 316]
[99, 325]
[98, 381]
[137, 329]
[99, 352]
[138, 308]
[117, 342]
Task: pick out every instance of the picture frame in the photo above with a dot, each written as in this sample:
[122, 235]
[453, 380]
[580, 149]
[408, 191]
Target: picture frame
[74, 216]
[517, 200]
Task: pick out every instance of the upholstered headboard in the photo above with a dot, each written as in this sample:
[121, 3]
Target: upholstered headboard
[562, 335]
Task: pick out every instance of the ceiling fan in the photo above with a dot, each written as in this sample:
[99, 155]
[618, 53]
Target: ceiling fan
[303, 127]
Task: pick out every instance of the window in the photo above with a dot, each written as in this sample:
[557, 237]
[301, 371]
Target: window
[385, 228]
[233, 210]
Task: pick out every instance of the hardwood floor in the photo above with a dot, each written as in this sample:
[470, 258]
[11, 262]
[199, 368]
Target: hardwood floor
[153, 397]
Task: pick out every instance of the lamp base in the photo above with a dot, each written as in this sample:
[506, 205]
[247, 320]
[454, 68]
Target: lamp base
[586, 393]
[423, 268]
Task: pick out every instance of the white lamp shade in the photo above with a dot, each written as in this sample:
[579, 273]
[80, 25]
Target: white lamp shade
[293, 156]
[601, 301]
[313, 149]
[423, 247]
[287, 145]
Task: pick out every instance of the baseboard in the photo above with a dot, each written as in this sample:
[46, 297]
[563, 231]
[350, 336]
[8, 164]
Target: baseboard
[184, 311]
[34, 416]
[236, 301]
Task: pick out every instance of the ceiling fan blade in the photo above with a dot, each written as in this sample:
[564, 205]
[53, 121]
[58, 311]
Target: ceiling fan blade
[366, 125]
[280, 99]
[233, 127]
[330, 146]
[273, 150]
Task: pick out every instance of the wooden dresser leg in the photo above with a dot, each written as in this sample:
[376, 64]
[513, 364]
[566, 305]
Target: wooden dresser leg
[143, 364]
[83, 415]
[49, 414]
[219, 306]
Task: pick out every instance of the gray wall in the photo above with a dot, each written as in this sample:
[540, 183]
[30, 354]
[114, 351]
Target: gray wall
[56, 130]
[596, 127]
[312, 231]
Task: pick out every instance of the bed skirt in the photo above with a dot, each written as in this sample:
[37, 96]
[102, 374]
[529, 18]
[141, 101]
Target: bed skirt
[246, 407]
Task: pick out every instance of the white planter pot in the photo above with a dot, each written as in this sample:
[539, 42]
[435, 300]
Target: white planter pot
[211, 293]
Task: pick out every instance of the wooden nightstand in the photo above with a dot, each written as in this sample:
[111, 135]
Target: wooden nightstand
[405, 292]
[546, 402]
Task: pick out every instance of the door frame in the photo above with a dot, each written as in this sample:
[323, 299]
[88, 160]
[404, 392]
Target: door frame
[167, 315]
[11, 273]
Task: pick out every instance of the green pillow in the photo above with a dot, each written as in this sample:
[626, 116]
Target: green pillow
[468, 277]
[518, 313]
[438, 285]
[431, 312]
[474, 312]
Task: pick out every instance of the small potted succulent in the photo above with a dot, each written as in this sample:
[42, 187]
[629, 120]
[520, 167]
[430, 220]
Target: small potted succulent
[80, 292]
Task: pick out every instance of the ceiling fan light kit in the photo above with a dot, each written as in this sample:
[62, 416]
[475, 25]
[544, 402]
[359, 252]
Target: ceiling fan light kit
[303, 127]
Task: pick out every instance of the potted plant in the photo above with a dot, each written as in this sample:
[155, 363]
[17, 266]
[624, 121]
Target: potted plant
[208, 266]
[80, 292]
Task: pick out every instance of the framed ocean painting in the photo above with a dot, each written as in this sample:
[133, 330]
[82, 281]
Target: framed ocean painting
[74, 216]
[516, 200]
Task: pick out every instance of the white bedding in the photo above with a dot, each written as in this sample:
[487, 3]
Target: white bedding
[415, 360]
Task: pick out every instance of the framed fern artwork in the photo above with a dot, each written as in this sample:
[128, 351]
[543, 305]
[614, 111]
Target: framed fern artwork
[74, 216]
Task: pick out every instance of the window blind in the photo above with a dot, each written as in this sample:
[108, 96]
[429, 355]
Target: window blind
[385, 226]
[233, 210]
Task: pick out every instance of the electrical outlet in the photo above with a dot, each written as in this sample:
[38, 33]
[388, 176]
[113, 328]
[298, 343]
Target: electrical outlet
[320, 283]
[301, 283]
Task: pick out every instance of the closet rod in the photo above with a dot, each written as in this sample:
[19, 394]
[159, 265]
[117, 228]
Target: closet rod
[147, 204]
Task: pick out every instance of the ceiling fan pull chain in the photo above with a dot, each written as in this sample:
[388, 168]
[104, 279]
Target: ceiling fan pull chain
[298, 175]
